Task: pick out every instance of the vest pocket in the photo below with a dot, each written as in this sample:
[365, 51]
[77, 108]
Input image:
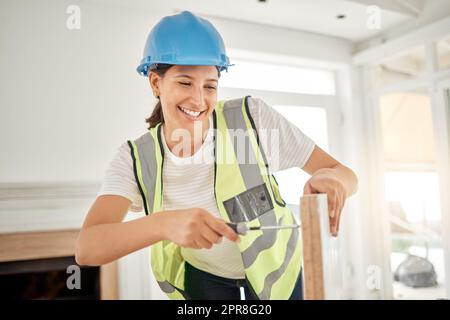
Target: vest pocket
[249, 204]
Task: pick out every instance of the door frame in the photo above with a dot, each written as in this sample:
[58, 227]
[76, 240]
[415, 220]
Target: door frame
[441, 118]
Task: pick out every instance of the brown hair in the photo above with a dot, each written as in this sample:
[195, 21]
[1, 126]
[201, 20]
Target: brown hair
[157, 115]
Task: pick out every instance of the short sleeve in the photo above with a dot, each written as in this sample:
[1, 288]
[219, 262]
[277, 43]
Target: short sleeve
[119, 179]
[284, 144]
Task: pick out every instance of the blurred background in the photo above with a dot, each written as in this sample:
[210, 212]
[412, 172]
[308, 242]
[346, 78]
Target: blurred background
[369, 81]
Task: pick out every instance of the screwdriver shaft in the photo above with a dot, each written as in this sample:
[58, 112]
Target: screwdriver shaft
[242, 228]
[291, 226]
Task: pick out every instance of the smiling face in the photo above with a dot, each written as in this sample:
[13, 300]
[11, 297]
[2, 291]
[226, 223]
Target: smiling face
[188, 95]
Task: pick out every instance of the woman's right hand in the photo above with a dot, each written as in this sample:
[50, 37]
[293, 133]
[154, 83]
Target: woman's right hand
[195, 228]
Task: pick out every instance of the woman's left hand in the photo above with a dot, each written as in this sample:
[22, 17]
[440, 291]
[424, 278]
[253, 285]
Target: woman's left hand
[325, 180]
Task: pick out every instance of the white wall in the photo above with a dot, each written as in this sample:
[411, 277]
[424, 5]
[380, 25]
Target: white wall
[69, 98]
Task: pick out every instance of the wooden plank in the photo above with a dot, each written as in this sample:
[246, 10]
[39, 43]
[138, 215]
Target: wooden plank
[37, 245]
[322, 272]
[312, 248]
[108, 282]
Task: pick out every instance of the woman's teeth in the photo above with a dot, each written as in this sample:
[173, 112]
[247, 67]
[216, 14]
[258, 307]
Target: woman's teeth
[190, 112]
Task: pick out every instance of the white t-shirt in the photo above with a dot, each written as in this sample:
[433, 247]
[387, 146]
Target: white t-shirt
[189, 183]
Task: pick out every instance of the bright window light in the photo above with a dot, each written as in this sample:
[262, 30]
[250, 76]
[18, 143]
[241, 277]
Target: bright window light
[312, 121]
[282, 78]
[417, 194]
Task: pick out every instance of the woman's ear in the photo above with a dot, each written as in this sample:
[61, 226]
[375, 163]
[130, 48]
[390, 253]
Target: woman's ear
[153, 79]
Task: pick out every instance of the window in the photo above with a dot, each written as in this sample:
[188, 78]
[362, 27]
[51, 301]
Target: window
[313, 122]
[281, 78]
[412, 195]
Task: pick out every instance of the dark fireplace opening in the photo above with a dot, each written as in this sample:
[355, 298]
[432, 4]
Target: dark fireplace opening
[53, 278]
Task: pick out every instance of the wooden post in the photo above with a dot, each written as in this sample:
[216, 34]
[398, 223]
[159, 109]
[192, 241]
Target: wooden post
[108, 282]
[321, 272]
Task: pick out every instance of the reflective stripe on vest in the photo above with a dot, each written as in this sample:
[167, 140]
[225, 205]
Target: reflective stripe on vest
[272, 258]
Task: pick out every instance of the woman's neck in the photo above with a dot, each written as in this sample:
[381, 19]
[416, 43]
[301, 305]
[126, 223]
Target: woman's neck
[185, 143]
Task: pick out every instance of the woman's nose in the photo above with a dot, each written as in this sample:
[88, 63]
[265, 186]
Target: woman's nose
[199, 98]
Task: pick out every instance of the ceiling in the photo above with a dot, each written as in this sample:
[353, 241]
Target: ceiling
[318, 16]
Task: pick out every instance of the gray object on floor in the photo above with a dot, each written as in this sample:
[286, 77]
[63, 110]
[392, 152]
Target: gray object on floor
[416, 272]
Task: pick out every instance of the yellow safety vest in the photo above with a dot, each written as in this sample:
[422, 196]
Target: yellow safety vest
[244, 191]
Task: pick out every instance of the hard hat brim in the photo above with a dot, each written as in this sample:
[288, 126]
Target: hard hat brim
[143, 68]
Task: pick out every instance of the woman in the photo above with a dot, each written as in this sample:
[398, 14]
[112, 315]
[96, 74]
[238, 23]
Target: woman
[192, 179]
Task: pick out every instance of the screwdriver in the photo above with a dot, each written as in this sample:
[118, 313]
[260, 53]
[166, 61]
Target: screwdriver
[242, 227]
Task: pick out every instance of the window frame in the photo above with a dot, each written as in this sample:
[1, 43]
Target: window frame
[436, 82]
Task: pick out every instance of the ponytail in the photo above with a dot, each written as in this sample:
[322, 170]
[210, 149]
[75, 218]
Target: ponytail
[156, 116]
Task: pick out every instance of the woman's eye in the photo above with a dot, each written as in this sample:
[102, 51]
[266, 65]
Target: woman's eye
[187, 84]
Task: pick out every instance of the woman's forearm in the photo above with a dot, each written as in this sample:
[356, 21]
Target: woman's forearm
[104, 243]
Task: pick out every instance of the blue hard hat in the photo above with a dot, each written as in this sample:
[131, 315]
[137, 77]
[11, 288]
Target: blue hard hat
[184, 39]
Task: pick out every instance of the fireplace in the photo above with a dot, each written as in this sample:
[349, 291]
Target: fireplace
[51, 278]
[41, 265]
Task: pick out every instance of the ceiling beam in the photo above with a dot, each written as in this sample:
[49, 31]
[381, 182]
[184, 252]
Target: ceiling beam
[406, 7]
